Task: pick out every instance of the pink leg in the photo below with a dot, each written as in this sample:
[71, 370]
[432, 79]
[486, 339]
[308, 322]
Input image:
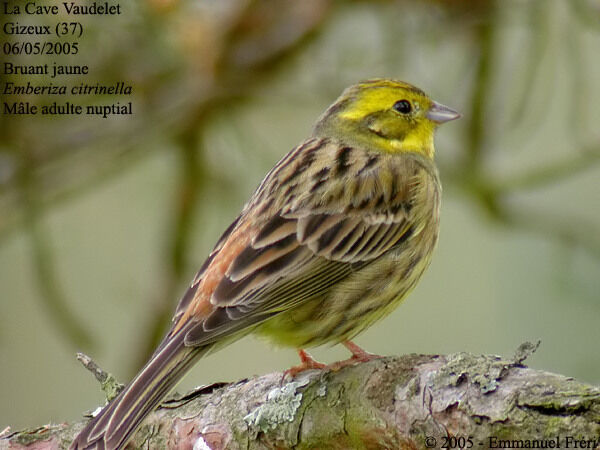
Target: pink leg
[358, 354]
[306, 363]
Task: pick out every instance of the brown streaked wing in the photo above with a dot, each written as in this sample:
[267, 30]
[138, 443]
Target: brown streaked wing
[329, 240]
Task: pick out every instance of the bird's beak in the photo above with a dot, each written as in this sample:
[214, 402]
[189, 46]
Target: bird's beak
[439, 113]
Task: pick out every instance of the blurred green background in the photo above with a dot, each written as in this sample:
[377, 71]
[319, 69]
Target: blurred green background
[104, 221]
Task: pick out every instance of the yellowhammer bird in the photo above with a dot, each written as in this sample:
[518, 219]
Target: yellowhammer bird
[335, 236]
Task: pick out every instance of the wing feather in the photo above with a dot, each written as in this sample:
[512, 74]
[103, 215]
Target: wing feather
[274, 230]
[252, 260]
[312, 227]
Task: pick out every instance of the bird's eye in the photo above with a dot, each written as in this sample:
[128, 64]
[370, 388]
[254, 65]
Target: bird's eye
[403, 106]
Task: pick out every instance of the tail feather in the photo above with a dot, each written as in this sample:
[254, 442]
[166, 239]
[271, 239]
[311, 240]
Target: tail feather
[116, 423]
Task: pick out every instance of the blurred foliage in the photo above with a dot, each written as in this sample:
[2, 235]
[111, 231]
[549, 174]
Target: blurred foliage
[192, 62]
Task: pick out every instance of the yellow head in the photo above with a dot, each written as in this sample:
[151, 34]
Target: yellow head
[386, 115]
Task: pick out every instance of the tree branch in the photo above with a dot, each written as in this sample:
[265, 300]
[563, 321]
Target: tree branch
[413, 401]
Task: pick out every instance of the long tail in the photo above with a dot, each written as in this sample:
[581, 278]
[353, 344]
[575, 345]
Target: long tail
[116, 423]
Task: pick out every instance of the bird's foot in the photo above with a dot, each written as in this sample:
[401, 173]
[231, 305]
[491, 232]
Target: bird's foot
[358, 356]
[306, 363]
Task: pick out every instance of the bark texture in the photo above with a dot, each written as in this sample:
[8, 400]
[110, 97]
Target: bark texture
[408, 402]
